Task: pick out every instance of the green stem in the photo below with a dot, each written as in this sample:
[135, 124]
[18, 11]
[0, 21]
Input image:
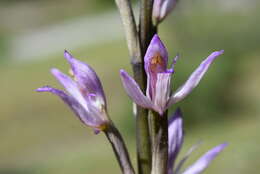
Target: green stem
[159, 138]
[146, 32]
[146, 27]
[120, 149]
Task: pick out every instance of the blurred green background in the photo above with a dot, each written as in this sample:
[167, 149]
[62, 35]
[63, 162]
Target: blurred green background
[39, 134]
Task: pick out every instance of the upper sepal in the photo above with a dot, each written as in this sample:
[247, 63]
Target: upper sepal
[156, 57]
[86, 77]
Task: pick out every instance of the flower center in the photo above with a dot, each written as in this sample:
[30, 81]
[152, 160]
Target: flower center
[157, 63]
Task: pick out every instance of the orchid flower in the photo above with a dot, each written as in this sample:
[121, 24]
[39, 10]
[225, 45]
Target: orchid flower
[85, 95]
[175, 132]
[161, 8]
[159, 96]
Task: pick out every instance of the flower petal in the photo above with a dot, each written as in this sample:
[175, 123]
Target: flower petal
[70, 86]
[162, 92]
[96, 108]
[80, 112]
[194, 78]
[87, 78]
[175, 133]
[167, 7]
[155, 61]
[161, 8]
[186, 156]
[201, 164]
[157, 4]
[134, 91]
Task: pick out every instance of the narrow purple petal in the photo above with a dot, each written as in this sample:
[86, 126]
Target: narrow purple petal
[186, 156]
[175, 59]
[194, 78]
[201, 164]
[166, 8]
[134, 91]
[87, 78]
[155, 61]
[162, 92]
[70, 86]
[175, 133]
[161, 8]
[79, 111]
[96, 107]
[156, 11]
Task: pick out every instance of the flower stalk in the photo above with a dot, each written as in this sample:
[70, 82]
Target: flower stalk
[119, 148]
[137, 44]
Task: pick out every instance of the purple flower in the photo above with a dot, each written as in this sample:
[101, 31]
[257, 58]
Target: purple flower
[85, 95]
[159, 96]
[161, 8]
[175, 132]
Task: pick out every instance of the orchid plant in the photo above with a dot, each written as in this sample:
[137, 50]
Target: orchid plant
[159, 139]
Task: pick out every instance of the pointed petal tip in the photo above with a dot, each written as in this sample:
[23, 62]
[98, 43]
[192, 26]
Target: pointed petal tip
[155, 39]
[41, 89]
[156, 36]
[176, 116]
[123, 73]
[44, 89]
[67, 55]
[218, 53]
[178, 112]
[222, 146]
[55, 71]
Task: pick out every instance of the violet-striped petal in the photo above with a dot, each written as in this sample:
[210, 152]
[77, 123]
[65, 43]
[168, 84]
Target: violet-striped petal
[134, 91]
[194, 78]
[70, 86]
[162, 92]
[201, 164]
[186, 156]
[155, 61]
[161, 8]
[175, 133]
[86, 77]
[167, 7]
[96, 107]
[80, 112]
[156, 11]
